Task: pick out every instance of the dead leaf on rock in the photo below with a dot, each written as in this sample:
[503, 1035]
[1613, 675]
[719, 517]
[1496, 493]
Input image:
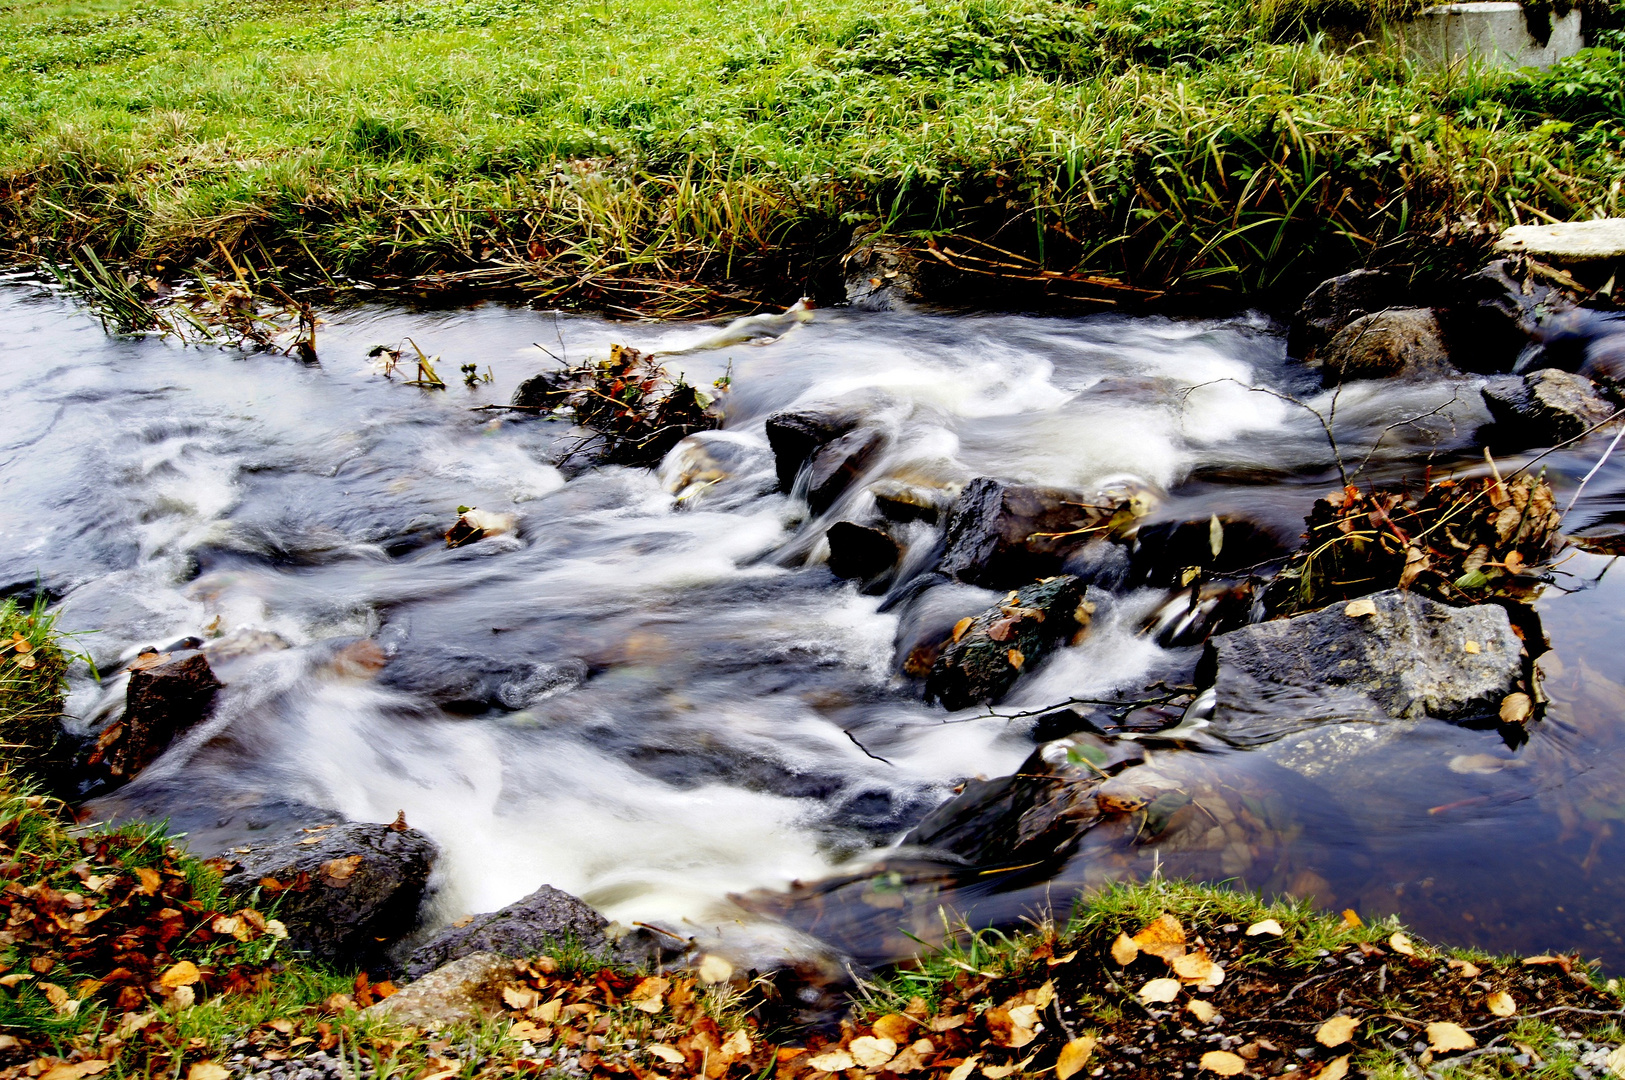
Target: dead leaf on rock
[1265, 926]
[1501, 1003]
[1074, 1055]
[1444, 1037]
[1124, 951]
[1362, 606]
[1223, 1062]
[336, 873]
[1160, 990]
[1337, 1031]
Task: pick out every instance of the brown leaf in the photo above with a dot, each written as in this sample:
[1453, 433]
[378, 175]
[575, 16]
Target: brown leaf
[1516, 708]
[1016, 658]
[1223, 1063]
[1074, 1055]
[1124, 950]
[1335, 1069]
[185, 973]
[1444, 1037]
[1162, 937]
[893, 1026]
[336, 873]
[1337, 1031]
[649, 994]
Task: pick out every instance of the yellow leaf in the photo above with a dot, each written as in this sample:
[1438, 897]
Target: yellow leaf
[1016, 660]
[714, 969]
[522, 997]
[1162, 937]
[1335, 1069]
[736, 1046]
[1188, 575]
[1197, 967]
[1160, 990]
[1044, 995]
[207, 1070]
[1074, 1055]
[1057, 961]
[1124, 950]
[274, 928]
[1401, 944]
[870, 1052]
[1464, 968]
[649, 995]
[999, 1072]
[839, 1061]
[1363, 606]
[1223, 1063]
[1515, 708]
[1265, 926]
[963, 1070]
[1351, 919]
[1202, 1010]
[1337, 1031]
[894, 1026]
[1501, 1003]
[1616, 1062]
[1470, 647]
[959, 631]
[1444, 1037]
[669, 1054]
[184, 973]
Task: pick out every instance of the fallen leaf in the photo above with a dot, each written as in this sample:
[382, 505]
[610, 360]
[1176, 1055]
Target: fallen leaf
[1351, 919]
[1335, 1069]
[1401, 944]
[736, 1046]
[999, 1072]
[336, 873]
[1363, 606]
[1074, 1055]
[839, 1061]
[1160, 990]
[649, 995]
[948, 1023]
[1198, 967]
[963, 1070]
[871, 1052]
[1057, 961]
[714, 969]
[1124, 950]
[207, 1070]
[184, 973]
[1501, 1003]
[960, 627]
[1464, 968]
[1515, 708]
[522, 997]
[282, 1024]
[1202, 1010]
[1162, 937]
[275, 929]
[1223, 1062]
[1016, 660]
[77, 1070]
[1265, 926]
[669, 1054]
[893, 1026]
[1445, 1036]
[1044, 995]
[1616, 1062]
[1337, 1031]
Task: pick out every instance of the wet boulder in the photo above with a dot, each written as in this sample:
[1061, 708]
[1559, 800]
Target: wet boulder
[1393, 654]
[988, 653]
[1490, 317]
[838, 463]
[796, 435]
[168, 693]
[1169, 554]
[858, 551]
[343, 891]
[882, 273]
[902, 502]
[1035, 815]
[462, 992]
[1338, 301]
[1002, 535]
[543, 922]
[1394, 342]
[1546, 406]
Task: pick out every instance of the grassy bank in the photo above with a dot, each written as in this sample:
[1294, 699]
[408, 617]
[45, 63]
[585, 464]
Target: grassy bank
[599, 152]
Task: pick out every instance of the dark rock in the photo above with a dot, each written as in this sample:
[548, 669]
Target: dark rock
[464, 991]
[903, 502]
[836, 464]
[1412, 657]
[796, 436]
[1033, 816]
[542, 922]
[1605, 353]
[1393, 342]
[1193, 615]
[168, 693]
[857, 551]
[992, 533]
[536, 391]
[1335, 303]
[346, 896]
[882, 273]
[1546, 406]
[988, 655]
[1163, 552]
[1490, 317]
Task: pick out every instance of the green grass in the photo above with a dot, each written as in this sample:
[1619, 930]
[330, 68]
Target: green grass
[599, 151]
[33, 669]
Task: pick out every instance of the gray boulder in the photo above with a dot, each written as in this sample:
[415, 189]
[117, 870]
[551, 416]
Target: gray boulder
[1338, 301]
[796, 435]
[1546, 406]
[461, 992]
[1490, 318]
[345, 896]
[1394, 342]
[1570, 243]
[1409, 658]
[995, 532]
[543, 922]
[839, 462]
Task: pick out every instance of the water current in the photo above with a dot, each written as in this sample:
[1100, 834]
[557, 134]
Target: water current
[669, 706]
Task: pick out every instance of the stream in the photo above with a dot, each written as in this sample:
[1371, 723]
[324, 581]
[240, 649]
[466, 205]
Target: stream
[669, 706]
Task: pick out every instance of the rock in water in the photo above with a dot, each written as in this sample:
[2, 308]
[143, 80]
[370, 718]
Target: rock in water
[345, 897]
[1546, 406]
[857, 551]
[540, 923]
[882, 272]
[1397, 341]
[168, 693]
[1338, 301]
[1490, 317]
[989, 652]
[1406, 657]
[462, 992]
[995, 533]
[796, 436]
[838, 463]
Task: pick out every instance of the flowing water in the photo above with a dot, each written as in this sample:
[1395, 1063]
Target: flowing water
[669, 706]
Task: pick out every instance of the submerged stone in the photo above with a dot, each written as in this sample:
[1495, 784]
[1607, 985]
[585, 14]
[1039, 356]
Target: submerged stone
[858, 551]
[838, 463]
[796, 435]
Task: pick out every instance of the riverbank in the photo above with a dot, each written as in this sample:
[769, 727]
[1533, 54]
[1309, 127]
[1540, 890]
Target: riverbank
[673, 159]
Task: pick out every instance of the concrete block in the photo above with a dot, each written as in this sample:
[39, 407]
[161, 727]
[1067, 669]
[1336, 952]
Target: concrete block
[1491, 32]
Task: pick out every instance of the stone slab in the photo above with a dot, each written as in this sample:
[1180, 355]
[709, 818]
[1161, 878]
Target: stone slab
[1492, 33]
